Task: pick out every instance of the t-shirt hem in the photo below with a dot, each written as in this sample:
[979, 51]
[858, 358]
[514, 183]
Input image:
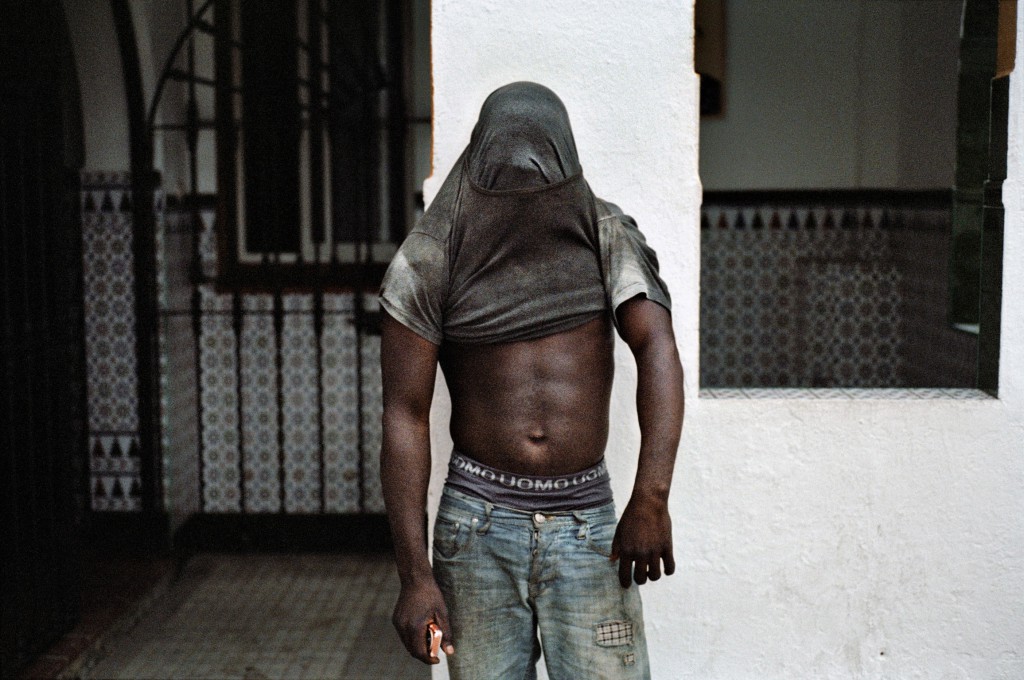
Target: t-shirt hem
[410, 322]
[640, 288]
[534, 333]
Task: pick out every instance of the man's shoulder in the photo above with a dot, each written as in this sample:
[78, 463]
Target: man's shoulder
[437, 221]
[606, 210]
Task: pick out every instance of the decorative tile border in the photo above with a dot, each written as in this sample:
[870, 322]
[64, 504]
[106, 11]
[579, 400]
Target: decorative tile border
[114, 471]
[853, 393]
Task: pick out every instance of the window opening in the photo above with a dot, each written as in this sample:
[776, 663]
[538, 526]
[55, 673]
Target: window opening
[296, 126]
[829, 197]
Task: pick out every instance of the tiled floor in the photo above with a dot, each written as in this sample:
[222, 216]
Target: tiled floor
[115, 587]
[267, 616]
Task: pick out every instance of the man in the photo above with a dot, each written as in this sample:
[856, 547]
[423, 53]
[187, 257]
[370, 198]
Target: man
[512, 281]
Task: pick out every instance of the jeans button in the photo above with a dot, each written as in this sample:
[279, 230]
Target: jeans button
[538, 518]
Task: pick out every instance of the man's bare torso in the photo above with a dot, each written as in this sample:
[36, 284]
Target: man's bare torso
[537, 407]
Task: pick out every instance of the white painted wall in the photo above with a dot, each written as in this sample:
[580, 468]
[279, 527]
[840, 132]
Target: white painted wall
[158, 24]
[101, 81]
[836, 94]
[817, 539]
[98, 62]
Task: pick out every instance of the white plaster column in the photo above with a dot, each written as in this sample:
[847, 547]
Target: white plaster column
[625, 73]
[101, 83]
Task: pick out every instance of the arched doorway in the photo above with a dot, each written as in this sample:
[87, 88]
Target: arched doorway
[42, 417]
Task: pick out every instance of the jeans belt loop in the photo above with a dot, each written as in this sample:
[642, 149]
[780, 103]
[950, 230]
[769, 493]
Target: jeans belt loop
[488, 507]
[584, 526]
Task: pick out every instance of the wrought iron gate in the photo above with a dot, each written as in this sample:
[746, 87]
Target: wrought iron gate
[268, 326]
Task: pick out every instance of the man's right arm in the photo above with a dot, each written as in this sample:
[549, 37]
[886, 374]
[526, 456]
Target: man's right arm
[408, 367]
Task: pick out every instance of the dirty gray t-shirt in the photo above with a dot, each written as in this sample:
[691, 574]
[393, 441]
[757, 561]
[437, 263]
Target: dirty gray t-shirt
[517, 270]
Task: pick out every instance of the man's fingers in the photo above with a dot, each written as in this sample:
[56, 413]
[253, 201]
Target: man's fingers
[654, 568]
[417, 611]
[640, 571]
[670, 562]
[625, 571]
[415, 642]
[416, 637]
[446, 640]
[644, 568]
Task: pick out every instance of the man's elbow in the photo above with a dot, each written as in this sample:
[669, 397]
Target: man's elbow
[405, 417]
[657, 347]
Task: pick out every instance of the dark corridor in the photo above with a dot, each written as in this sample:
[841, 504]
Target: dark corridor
[42, 419]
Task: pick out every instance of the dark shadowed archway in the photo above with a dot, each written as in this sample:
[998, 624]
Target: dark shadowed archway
[42, 417]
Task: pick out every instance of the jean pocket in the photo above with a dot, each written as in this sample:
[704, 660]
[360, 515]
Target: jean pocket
[451, 536]
[599, 537]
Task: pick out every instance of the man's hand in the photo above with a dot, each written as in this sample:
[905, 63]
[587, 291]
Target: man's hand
[643, 540]
[417, 606]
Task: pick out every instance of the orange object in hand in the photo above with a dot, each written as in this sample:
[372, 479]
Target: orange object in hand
[434, 636]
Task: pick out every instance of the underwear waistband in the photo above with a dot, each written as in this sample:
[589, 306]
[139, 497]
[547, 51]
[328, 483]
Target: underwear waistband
[588, 488]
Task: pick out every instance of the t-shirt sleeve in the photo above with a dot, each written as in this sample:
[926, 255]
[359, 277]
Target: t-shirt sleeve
[629, 265]
[415, 286]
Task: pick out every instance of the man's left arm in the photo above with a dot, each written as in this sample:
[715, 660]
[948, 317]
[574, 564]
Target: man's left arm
[643, 538]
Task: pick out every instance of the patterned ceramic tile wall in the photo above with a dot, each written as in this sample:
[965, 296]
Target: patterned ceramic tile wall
[300, 407]
[271, 460]
[341, 407]
[935, 354]
[219, 398]
[855, 329]
[179, 411]
[179, 392]
[260, 427]
[808, 296]
[110, 336]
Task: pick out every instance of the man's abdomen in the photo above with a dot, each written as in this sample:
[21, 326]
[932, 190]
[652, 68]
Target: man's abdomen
[536, 407]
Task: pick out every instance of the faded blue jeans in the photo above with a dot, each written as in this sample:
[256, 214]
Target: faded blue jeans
[507, 574]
